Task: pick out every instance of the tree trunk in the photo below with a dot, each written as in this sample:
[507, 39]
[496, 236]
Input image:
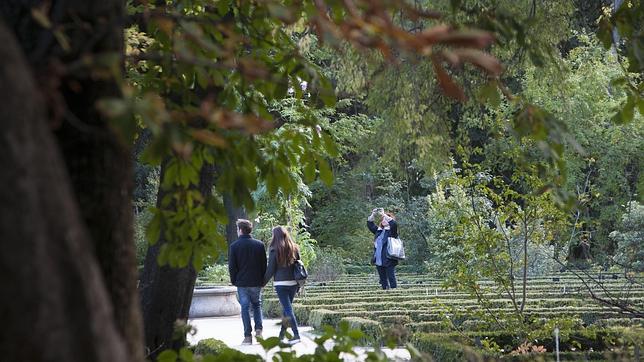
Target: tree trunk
[55, 305]
[525, 264]
[97, 159]
[166, 293]
[233, 212]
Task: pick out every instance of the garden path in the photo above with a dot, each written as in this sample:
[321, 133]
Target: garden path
[230, 331]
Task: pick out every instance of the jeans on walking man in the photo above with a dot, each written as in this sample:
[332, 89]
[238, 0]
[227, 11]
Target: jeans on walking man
[247, 265]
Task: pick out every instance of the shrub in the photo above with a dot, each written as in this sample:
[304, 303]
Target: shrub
[141, 220]
[359, 269]
[444, 349]
[371, 329]
[214, 274]
[321, 317]
[210, 346]
[328, 265]
[630, 238]
[272, 307]
[301, 313]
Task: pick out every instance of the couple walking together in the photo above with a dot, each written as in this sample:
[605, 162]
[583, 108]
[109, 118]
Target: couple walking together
[249, 273]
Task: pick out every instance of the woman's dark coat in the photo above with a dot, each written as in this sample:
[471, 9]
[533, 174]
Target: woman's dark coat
[392, 232]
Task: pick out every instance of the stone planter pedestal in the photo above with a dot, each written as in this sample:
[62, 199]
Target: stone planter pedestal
[214, 302]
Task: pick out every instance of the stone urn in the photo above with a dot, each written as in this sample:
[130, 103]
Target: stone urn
[214, 301]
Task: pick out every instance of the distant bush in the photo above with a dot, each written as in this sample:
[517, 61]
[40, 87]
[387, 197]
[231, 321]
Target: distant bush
[444, 349]
[372, 329]
[328, 265]
[141, 220]
[630, 238]
[214, 274]
[320, 317]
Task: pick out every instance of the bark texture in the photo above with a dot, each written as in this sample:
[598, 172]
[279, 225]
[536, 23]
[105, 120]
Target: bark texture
[166, 293]
[54, 306]
[97, 160]
[233, 212]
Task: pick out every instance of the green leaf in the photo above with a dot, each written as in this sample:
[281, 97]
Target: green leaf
[163, 257]
[489, 94]
[168, 355]
[153, 230]
[186, 355]
[269, 343]
[329, 145]
[355, 334]
[188, 174]
[223, 6]
[171, 174]
[326, 175]
[627, 113]
[202, 77]
[618, 82]
[326, 92]
[154, 152]
[309, 167]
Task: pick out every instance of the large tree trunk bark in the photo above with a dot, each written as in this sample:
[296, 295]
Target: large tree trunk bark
[166, 292]
[98, 161]
[233, 212]
[55, 306]
[100, 165]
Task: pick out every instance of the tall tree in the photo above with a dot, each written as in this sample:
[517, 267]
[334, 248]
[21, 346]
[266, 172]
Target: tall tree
[75, 52]
[56, 306]
[166, 292]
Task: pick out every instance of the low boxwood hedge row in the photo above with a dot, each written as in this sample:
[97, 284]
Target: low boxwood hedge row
[320, 317]
[421, 306]
[535, 301]
[441, 348]
[466, 320]
[583, 339]
[373, 330]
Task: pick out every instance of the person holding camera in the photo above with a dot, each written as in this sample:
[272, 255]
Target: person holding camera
[386, 228]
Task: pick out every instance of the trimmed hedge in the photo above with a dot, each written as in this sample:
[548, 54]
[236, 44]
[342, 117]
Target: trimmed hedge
[372, 330]
[321, 317]
[420, 306]
[581, 339]
[445, 349]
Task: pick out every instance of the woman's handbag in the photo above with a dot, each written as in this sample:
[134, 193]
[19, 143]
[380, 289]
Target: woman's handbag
[299, 272]
[395, 249]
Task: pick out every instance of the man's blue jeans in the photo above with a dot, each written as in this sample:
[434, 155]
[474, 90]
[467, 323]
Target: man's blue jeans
[250, 296]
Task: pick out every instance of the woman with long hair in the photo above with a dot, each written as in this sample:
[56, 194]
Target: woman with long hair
[283, 253]
[386, 228]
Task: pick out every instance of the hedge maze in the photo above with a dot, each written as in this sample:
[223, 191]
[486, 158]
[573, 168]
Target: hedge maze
[449, 325]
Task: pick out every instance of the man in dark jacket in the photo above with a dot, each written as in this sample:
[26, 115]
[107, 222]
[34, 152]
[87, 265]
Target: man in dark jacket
[247, 265]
